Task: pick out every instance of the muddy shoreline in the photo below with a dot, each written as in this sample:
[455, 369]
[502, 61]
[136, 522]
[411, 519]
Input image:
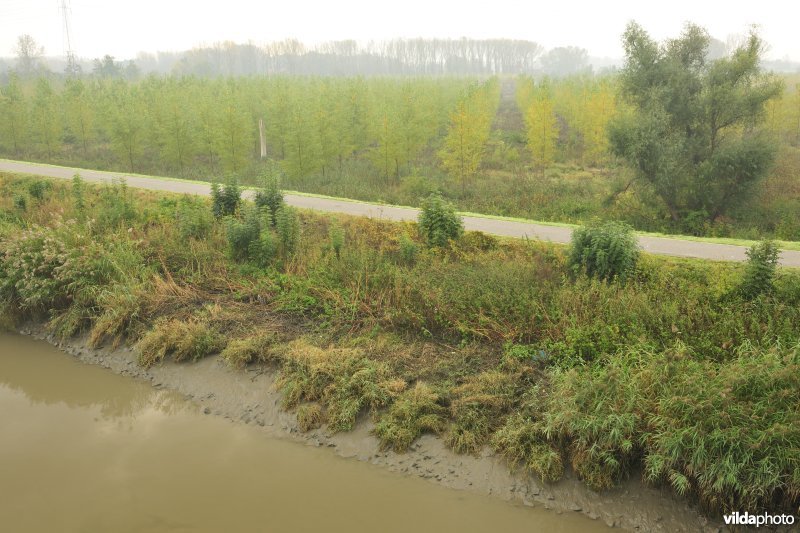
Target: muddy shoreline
[250, 397]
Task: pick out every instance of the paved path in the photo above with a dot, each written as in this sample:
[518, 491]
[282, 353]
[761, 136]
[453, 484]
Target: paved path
[509, 228]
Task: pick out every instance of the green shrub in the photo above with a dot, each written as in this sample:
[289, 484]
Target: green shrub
[37, 189]
[439, 222]
[408, 249]
[115, 207]
[270, 196]
[225, 200]
[263, 250]
[608, 251]
[522, 440]
[288, 229]
[524, 353]
[78, 195]
[727, 432]
[336, 236]
[20, 202]
[192, 219]
[48, 268]
[598, 411]
[759, 274]
[243, 234]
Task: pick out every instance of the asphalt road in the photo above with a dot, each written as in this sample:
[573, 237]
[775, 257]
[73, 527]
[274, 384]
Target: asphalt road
[657, 245]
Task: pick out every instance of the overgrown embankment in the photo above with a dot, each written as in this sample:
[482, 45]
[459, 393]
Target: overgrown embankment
[484, 342]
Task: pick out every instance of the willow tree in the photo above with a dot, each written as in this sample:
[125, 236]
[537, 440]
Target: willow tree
[693, 130]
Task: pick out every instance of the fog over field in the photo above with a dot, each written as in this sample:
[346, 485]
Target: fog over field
[126, 29]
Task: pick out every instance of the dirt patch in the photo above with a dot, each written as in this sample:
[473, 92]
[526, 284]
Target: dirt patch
[249, 396]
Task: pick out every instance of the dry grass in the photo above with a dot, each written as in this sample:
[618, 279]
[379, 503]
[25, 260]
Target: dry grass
[183, 340]
[121, 307]
[345, 381]
[478, 407]
[309, 416]
[241, 352]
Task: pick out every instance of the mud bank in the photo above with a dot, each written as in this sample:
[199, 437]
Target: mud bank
[250, 397]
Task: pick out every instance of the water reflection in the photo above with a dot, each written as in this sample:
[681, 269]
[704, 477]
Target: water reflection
[46, 376]
[83, 449]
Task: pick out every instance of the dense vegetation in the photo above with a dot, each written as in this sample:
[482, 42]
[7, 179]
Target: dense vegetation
[687, 369]
[532, 148]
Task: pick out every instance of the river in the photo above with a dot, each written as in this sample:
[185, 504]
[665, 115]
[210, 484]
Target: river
[84, 449]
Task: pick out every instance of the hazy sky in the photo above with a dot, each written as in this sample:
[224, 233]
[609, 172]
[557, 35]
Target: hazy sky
[124, 28]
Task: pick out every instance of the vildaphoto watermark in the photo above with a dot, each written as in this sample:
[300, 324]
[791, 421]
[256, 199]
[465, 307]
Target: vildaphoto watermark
[758, 520]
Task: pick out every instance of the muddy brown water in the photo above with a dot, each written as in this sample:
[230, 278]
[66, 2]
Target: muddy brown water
[84, 449]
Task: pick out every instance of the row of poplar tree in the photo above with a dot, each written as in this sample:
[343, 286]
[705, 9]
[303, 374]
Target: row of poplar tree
[312, 125]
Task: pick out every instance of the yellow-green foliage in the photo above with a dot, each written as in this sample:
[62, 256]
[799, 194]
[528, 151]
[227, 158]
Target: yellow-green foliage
[414, 412]
[345, 381]
[240, 352]
[542, 130]
[182, 339]
[470, 124]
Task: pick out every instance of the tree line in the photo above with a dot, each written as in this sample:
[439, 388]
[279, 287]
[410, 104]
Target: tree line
[181, 124]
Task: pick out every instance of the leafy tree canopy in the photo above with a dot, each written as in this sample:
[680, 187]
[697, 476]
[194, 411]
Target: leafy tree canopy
[692, 132]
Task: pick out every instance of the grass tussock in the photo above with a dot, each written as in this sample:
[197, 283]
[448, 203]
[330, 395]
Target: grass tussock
[8, 318]
[597, 412]
[121, 306]
[416, 411]
[309, 416]
[728, 433]
[521, 441]
[477, 408]
[344, 381]
[189, 340]
[241, 352]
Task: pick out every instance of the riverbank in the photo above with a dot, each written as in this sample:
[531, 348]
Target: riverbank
[681, 377]
[86, 449]
[250, 397]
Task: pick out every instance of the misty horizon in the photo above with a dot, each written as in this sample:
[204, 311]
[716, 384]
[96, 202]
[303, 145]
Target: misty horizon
[126, 31]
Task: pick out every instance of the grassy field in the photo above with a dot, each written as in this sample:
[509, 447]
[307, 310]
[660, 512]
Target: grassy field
[485, 342]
